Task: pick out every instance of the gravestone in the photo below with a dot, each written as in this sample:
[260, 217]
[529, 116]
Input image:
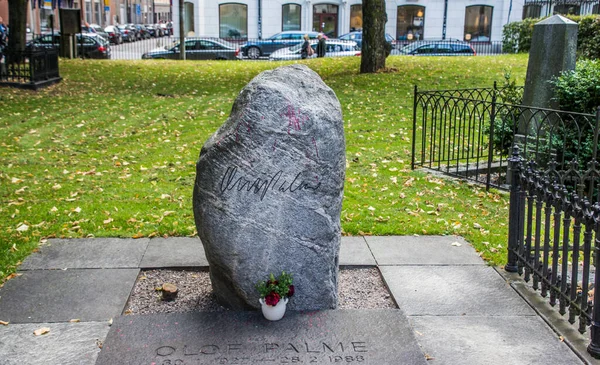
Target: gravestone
[553, 50]
[269, 187]
[375, 337]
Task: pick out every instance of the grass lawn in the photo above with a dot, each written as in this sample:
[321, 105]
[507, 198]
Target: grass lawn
[111, 150]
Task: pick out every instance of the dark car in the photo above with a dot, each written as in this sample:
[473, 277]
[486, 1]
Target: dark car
[95, 28]
[356, 36]
[263, 48]
[197, 49]
[127, 33]
[94, 45]
[143, 31]
[114, 34]
[438, 48]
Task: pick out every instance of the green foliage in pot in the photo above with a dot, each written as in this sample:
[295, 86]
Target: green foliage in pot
[275, 289]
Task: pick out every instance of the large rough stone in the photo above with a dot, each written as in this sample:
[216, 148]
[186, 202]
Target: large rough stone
[269, 189]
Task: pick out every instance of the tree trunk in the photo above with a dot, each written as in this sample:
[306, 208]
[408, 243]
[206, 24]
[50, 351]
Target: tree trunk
[374, 46]
[17, 15]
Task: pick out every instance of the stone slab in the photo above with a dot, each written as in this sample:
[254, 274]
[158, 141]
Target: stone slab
[355, 252]
[422, 250]
[491, 340]
[87, 253]
[62, 295]
[375, 337]
[174, 252]
[65, 344]
[452, 290]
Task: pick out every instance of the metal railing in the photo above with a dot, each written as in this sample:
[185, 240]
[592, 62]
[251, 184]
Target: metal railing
[551, 211]
[29, 69]
[136, 47]
[467, 133]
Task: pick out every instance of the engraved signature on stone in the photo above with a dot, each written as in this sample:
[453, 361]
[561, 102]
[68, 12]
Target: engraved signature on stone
[232, 180]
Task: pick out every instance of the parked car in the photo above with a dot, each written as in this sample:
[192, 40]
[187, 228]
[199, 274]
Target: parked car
[95, 28]
[356, 36]
[127, 33]
[94, 45]
[151, 29]
[263, 48]
[334, 48]
[438, 48]
[114, 34]
[143, 31]
[198, 49]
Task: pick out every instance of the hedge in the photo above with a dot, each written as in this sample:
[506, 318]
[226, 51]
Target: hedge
[516, 36]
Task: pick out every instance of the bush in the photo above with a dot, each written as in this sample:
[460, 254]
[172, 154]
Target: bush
[516, 36]
[576, 91]
[579, 90]
[505, 122]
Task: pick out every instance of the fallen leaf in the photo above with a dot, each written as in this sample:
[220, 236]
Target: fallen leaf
[4, 323]
[41, 331]
[476, 226]
[74, 320]
[110, 321]
[22, 228]
[456, 244]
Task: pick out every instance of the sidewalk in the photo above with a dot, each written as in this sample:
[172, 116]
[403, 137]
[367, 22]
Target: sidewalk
[454, 309]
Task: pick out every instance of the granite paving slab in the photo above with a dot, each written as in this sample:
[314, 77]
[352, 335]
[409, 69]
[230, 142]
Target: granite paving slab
[174, 252]
[422, 250]
[62, 295]
[375, 337]
[355, 252]
[87, 253]
[65, 344]
[452, 290]
[490, 340]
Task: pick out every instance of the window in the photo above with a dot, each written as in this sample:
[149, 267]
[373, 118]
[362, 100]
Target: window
[532, 11]
[478, 23]
[233, 21]
[596, 9]
[356, 19]
[410, 22]
[290, 17]
[567, 9]
[325, 19]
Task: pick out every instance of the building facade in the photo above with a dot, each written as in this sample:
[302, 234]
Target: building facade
[475, 20]
[101, 12]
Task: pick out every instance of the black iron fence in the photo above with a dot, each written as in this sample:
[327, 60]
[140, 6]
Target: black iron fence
[29, 69]
[554, 237]
[159, 46]
[468, 133]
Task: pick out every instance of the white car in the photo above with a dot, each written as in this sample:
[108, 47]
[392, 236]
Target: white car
[334, 47]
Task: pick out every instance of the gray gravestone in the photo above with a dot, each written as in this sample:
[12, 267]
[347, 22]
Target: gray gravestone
[553, 50]
[269, 188]
[374, 337]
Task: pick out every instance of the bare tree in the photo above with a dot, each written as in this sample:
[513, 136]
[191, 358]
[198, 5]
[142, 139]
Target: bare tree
[375, 48]
[17, 15]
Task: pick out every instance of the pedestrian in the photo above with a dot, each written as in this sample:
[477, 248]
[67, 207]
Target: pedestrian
[321, 46]
[3, 37]
[306, 50]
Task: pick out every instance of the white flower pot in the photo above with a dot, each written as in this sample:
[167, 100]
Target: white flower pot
[273, 312]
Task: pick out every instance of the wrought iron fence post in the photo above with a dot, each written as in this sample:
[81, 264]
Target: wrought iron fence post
[514, 168]
[414, 139]
[594, 346]
[491, 141]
